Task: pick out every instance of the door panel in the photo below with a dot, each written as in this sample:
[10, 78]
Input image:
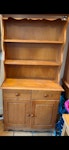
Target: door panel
[17, 113]
[44, 114]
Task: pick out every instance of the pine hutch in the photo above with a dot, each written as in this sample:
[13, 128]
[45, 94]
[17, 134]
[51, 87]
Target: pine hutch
[32, 46]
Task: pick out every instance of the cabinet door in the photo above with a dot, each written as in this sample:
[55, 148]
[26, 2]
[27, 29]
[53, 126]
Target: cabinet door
[44, 113]
[16, 114]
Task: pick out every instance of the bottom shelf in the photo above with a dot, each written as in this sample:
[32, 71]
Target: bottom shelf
[32, 84]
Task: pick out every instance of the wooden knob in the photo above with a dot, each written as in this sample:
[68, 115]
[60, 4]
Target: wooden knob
[17, 94]
[32, 115]
[46, 95]
[28, 115]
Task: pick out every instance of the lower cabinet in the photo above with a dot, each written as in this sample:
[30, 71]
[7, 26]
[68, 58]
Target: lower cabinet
[24, 113]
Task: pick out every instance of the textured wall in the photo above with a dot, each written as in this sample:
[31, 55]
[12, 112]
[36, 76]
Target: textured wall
[1, 73]
[65, 53]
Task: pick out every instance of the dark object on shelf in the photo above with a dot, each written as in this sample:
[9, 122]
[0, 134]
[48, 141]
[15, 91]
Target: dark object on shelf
[61, 108]
[59, 126]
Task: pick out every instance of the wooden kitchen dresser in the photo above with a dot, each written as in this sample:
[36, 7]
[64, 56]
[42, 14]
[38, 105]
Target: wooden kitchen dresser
[32, 47]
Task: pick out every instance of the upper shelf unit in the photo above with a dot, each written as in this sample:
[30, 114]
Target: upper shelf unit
[33, 46]
[34, 31]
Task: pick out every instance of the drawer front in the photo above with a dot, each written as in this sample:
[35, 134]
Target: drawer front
[17, 94]
[39, 95]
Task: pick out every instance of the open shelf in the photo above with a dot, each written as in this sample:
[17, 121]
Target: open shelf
[32, 72]
[32, 84]
[31, 62]
[33, 51]
[32, 41]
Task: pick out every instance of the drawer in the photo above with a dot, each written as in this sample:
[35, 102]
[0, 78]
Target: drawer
[17, 94]
[38, 95]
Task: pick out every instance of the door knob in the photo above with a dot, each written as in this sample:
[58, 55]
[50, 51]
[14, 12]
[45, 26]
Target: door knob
[28, 115]
[32, 115]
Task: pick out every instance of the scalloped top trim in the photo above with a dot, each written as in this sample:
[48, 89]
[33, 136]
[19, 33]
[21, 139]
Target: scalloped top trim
[63, 18]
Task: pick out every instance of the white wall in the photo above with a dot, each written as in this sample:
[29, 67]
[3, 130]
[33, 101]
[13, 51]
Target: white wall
[1, 103]
[65, 54]
[1, 80]
[1, 74]
[1, 100]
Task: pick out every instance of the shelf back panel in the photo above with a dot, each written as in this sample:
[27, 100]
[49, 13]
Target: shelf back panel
[21, 51]
[33, 72]
[34, 30]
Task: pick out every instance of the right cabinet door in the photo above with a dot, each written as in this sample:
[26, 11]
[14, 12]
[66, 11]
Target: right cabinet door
[44, 113]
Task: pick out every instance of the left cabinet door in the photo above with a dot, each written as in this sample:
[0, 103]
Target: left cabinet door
[16, 114]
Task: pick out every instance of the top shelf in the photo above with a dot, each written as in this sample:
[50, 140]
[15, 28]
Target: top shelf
[31, 41]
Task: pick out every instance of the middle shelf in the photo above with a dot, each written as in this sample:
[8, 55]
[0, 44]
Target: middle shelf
[31, 62]
[33, 41]
[36, 52]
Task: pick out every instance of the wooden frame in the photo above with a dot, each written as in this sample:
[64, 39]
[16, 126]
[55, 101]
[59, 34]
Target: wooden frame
[33, 54]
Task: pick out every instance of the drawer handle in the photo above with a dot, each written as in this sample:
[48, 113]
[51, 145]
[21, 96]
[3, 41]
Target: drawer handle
[46, 95]
[17, 94]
